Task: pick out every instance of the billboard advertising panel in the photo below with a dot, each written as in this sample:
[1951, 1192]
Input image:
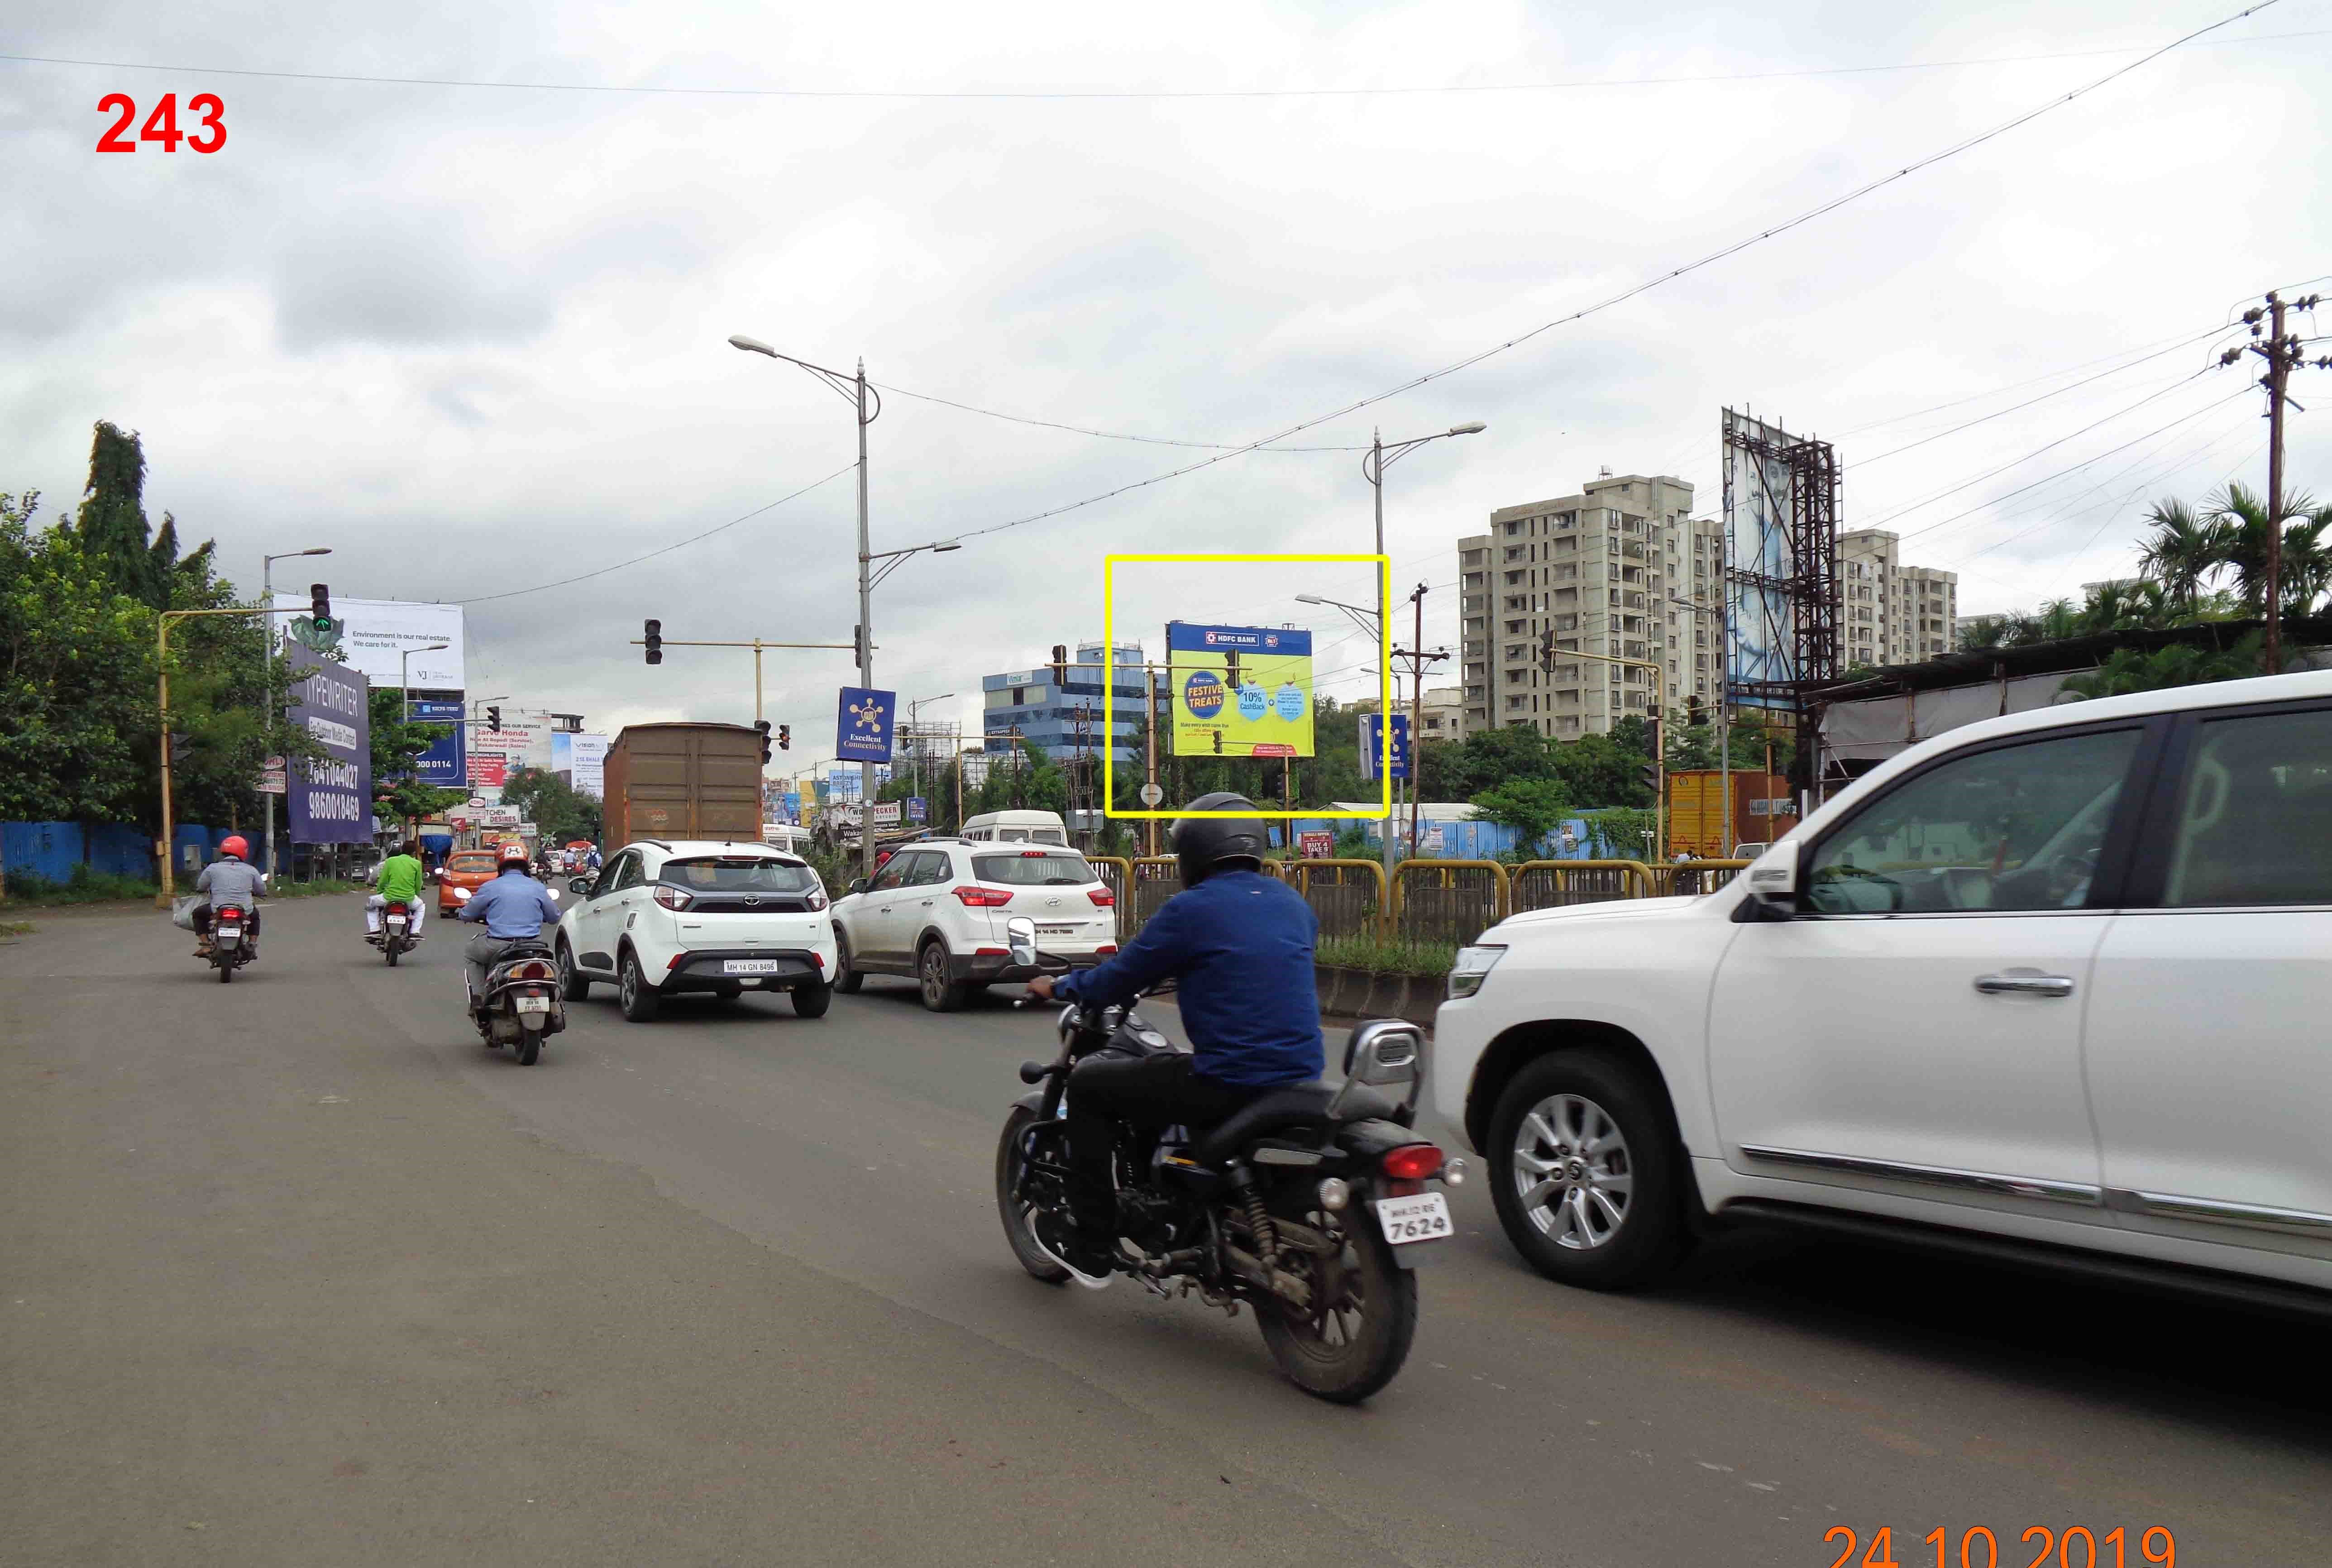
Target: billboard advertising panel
[496, 754]
[1760, 614]
[329, 800]
[375, 632]
[1240, 691]
[446, 764]
[580, 761]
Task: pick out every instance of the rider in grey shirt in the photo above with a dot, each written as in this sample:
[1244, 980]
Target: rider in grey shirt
[229, 879]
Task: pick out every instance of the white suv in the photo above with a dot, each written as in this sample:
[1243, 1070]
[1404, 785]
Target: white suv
[665, 916]
[936, 913]
[2053, 985]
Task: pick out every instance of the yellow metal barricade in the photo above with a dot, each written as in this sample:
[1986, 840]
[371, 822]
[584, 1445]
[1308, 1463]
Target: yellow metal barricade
[1447, 900]
[1117, 875]
[1156, 879]
[1548, 884]
[1348, 896]
[1694, 876]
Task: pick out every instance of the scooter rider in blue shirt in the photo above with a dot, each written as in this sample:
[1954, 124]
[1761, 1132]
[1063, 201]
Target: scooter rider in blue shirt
[1241, 943]
[515, 906]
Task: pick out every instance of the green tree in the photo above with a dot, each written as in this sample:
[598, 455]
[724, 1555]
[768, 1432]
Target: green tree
[2183, 552]
[2241, 515]
[555, 806]
[397, 748]
[2126, 670]
[1532, 808]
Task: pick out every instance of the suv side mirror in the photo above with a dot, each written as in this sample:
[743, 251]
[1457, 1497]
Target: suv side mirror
[857, 885]
[578, 884]
[1772, 883]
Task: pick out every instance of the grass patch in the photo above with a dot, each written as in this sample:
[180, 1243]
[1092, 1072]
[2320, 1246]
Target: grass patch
[317, 889]
[1375, 955]
[31, 890]
[15, 928]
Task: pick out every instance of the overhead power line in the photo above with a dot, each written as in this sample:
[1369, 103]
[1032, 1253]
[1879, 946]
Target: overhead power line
[1647, 285]
[1572, 84]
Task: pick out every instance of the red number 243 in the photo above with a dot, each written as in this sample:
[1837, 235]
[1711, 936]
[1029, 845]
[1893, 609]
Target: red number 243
[162, 125]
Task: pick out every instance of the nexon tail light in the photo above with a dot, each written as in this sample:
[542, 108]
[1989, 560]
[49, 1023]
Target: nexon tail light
[672, 897]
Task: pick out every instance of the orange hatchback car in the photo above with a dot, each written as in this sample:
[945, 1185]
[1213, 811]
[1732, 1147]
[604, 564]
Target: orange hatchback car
[466, 872]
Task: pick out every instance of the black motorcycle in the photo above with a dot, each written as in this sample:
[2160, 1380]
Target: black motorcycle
[396, 934]
[1310, 1204]
[522, 1008]
[231, 941]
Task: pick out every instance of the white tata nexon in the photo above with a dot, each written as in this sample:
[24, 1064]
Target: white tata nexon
[2056, 984]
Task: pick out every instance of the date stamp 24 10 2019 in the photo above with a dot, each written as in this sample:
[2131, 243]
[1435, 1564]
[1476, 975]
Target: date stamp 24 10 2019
[2078, 1546]
[161, 127]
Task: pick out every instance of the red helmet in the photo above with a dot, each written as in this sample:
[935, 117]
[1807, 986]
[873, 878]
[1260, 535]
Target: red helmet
[233, 843]
[513, 852]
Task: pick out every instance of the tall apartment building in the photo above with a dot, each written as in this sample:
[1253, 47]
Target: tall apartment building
[1602, 571]
[1889, 613]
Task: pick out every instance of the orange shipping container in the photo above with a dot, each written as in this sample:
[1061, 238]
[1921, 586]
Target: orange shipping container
[1762, 812]
[683, 781]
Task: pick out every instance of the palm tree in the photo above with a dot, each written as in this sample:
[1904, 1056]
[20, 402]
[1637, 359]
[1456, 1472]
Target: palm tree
[2307, 565]
[2184, 551]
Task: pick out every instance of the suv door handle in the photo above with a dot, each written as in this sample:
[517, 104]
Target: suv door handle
[2025, 982]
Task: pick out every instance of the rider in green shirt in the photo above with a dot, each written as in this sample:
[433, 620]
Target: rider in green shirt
[401, 879]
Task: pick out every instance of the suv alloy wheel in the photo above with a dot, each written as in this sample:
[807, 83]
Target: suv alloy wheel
[940, 991]
[1585, 1172]
[633, 990]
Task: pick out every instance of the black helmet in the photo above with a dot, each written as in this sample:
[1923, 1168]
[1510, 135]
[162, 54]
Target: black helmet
[1208, 843]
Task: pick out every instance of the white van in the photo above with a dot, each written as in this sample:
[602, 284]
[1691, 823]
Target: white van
[1018, 827]
[785, 836]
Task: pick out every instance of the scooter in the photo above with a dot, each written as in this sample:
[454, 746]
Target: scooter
[522, 1007]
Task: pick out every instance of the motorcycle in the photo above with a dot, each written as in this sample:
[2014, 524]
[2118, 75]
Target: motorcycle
[231, 946]
[522, 1008]
[396, 934]
[1310, 1204]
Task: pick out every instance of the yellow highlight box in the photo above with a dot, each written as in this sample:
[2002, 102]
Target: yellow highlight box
[1109, 564]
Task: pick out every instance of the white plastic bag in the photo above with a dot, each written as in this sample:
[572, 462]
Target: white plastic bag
[182, 911]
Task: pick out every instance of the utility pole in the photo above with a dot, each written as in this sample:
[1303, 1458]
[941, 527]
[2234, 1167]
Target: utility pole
[2280, 350]
[1150, 754]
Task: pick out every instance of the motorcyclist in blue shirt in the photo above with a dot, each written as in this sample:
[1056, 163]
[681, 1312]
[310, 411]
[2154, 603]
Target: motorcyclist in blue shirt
[515, 906]
[1241, 943]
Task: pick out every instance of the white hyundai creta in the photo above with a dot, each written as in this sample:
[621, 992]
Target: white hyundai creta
[668, 916]
[2052, 985]
[936, 913]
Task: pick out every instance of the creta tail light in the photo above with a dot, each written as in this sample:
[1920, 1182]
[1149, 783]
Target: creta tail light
[672, 897]
[1412, 1162]
[983, 897]
[1105, 950]
[1102, 898]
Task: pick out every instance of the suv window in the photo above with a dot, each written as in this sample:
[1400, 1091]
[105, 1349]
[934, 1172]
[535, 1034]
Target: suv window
[2013, 827]
[894, 872]
[625, 873]
[2255, 824]
[737, 874]
[1033, 868]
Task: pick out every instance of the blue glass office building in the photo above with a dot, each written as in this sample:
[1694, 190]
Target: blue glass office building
[1044, 710]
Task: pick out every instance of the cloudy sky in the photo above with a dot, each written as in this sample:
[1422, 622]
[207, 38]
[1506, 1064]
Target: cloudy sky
[472, 336]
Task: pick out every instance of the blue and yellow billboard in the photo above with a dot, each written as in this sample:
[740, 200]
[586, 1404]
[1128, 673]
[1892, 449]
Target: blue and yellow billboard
[1240, 691]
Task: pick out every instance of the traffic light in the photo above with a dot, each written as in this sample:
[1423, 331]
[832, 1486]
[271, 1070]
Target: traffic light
[858, 647]
[785, 736]
[761, 728]
[320, 605]
[1060, 663]
[1546, 650]
[1695, 712]
[1651, 772]
[653, 634]
[493, 718]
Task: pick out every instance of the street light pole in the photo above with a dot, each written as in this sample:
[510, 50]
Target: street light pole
[1373, 469]
[267, 598]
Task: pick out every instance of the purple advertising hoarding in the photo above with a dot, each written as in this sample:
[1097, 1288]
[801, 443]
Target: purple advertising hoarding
[330, 801]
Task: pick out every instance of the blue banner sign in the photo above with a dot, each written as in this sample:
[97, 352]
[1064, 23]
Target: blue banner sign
[862, 724]
[1373, 745]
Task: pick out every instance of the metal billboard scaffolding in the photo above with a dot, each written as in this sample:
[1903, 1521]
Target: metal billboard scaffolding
[1781, 577]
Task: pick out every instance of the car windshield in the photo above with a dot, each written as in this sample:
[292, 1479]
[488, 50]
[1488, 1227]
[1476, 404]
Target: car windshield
[739, 874]
[1034, 868]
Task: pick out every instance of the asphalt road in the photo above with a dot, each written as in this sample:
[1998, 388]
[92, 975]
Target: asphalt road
[294, 1272]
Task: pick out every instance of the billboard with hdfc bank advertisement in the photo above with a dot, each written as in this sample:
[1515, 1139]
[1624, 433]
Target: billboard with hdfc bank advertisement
[1240, 691]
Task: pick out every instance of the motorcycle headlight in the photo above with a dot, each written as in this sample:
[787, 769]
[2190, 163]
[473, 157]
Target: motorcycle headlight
[1472, 967]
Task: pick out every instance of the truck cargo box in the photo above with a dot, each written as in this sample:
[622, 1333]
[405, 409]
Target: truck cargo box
[683, 781]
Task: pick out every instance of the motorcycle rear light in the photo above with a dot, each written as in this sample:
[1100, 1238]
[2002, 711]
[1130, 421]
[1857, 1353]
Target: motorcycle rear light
[983, 897]
[533, 972]
[1412, 1162]
[1102, 898]
[672, 897]
[230, 911]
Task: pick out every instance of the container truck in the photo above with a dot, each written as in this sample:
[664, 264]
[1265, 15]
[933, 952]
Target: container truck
[684, 781]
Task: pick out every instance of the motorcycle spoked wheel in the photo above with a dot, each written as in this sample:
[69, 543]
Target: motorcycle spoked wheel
[1348, 1347]
[1017, 1215]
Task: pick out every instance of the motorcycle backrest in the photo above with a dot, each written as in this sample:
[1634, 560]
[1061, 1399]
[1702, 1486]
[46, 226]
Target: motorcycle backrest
[1387, 1055]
